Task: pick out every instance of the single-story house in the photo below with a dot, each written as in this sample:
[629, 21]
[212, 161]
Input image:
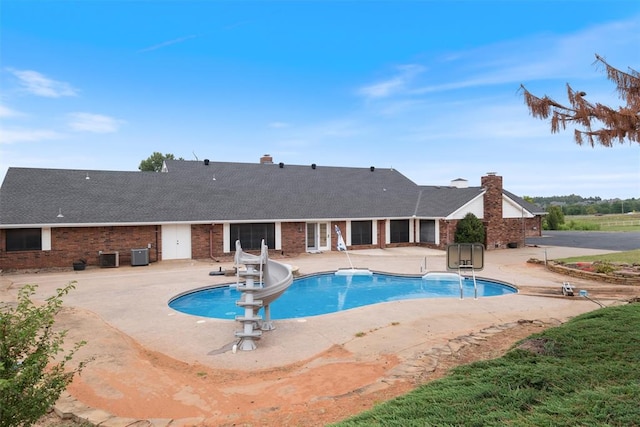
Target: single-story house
[197, 210]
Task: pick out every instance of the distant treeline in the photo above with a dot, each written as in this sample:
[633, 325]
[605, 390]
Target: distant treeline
[578, 205]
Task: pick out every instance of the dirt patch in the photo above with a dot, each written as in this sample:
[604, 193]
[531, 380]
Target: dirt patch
[540, 346]
[130, 381]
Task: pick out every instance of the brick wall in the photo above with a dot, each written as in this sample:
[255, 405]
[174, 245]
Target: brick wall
[214, 243]
[382, 236]
[293, 238]
[202, 239]
[533, 226]
[334, 236]
[71, 244]
[447, 232]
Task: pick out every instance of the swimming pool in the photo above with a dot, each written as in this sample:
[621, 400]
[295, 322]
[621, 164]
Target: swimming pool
[325, 293]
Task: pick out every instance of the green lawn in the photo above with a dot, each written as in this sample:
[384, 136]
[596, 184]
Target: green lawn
[585, 372]
[628, 257]
[613, 222]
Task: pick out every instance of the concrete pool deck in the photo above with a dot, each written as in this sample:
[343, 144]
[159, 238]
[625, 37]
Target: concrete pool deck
[133, 300]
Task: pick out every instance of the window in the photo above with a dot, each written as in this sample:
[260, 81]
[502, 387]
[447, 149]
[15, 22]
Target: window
[23, 239]
[251, 235]
[399, 230]
[361, 233]
[427, 231]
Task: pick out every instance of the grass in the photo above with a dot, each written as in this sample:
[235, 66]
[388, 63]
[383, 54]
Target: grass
[628, 257]
[585, 372]
[612, 222]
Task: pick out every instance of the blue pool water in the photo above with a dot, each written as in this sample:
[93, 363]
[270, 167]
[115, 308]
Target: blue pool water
[328, 293]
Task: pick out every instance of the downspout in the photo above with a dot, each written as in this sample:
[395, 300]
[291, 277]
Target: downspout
[157, 250]
[211, 243]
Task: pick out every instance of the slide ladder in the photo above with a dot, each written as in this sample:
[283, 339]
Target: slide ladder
[265, 280]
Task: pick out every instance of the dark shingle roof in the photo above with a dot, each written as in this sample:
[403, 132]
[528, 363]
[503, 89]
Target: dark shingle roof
[530, 207]
[439, 202]
[222, 191]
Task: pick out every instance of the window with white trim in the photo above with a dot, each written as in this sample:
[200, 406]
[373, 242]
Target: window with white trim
[23, 239]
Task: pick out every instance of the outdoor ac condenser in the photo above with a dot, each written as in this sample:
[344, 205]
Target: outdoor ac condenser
[109, 259]
[139, 256]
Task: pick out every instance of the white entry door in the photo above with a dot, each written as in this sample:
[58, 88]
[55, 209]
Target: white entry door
[176, 241]
[318, 236]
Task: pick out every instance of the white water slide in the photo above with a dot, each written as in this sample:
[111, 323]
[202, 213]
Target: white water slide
[265, 281]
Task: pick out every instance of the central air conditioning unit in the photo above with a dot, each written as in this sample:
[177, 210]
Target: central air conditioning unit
[139, 257]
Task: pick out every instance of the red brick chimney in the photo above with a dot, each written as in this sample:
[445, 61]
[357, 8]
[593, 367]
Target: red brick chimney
[493, 219]
[266, 159]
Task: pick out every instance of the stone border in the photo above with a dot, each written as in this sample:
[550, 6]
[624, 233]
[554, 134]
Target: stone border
[581, 274]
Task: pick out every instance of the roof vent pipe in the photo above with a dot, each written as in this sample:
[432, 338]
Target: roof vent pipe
[313, 165]
[372, 168]
[206, 162]
[281, 165]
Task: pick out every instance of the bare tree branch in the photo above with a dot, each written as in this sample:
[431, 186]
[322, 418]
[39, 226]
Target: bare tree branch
[596, 124]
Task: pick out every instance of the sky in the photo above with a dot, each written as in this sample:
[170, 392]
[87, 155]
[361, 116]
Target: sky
[429, 88]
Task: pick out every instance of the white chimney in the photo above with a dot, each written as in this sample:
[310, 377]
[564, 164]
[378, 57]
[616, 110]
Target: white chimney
[460, 183]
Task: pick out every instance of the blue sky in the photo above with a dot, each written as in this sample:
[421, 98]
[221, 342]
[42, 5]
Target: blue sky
[429, 88]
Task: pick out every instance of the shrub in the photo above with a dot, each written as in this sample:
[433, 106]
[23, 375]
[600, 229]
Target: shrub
[32, 376]
[554, 218]
[604, 268]
[469, 230]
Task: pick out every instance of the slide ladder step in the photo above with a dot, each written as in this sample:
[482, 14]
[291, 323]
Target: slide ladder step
[240, 318]
[253, 334]
[244, 273]
[256, 286]
[256, 303]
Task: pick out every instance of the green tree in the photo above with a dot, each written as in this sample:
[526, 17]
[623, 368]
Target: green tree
[469, 230]
[33, 373]
[154, 162]
[618, 125]
[554, 217]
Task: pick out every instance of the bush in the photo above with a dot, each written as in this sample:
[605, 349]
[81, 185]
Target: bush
[604, 268]
[469, 230]
[32, 376]
[554, 218]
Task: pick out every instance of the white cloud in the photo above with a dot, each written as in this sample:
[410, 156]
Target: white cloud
[536, 58]
[6, 112]
[11, 136]
[167, 43]
[40, 85]
[394, 85]
[279, 125]
[96, 123]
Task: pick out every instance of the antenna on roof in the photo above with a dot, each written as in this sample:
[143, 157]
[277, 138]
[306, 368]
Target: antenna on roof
[194, 155]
